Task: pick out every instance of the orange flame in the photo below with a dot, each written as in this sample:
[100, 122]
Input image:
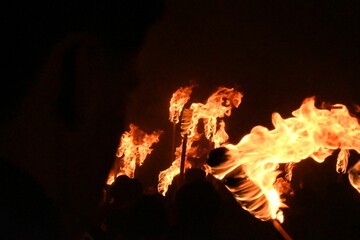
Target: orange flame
[134, 147]
[354, 176]
[311, 132]
[357, 108]
[166, 177]
[218, 105]
[179, 98]
[220, 135]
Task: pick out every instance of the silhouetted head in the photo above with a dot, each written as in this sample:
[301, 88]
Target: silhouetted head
[195, 175]
[196, 208]
[217, 156]
[125, 189]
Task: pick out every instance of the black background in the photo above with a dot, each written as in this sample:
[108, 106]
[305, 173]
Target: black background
[277, 53]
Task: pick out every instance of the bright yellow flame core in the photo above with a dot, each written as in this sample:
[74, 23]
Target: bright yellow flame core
[311, 132]
[218, 105]
[134, 147]
[179, 98]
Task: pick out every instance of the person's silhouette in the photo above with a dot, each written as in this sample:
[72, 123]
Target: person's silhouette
[67, 69]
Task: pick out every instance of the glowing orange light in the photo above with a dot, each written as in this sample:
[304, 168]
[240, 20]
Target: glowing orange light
[354, 176]
[179, 98]
[311, 132]
[134, 147]
[218, 105]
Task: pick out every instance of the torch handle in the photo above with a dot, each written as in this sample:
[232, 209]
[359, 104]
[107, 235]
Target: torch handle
[281, 230]
[183, 155]
[173, 142]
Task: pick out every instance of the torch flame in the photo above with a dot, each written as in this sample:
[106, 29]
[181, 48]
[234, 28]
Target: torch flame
[134, 147]
[179, 98]
[218, 105]
[311, 132]
[342, 161]
[166, 177]
[354, 176]
[220, 136]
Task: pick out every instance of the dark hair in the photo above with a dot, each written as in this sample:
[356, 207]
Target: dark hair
[30, 28]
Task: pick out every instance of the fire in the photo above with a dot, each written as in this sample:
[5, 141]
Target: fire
[179, 98]
[220, 135]
[354, 176]
[133, 149]
[218, 105]
[311, 132]
[166, 177]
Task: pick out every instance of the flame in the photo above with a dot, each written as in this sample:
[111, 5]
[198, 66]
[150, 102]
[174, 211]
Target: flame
[357, 108]
[218, 105]
[342, 161]
[220, 135]
[179, 98]
[166, 177]
[354, 176]
[311, 132]
[133, 149]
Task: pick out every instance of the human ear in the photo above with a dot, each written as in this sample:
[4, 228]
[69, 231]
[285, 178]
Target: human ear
[82, 67]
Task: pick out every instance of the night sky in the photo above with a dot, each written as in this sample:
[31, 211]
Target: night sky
[277, 53]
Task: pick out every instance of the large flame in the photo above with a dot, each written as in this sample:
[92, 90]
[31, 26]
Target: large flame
[218, 105]
[311, 132]
[133, 149]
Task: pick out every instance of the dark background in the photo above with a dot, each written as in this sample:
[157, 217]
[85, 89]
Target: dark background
[277, 53]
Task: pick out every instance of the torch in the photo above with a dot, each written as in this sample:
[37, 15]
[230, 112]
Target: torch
[134, 147]
[246, 192]
[185, 123]
[179, 98]
[254, 161]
